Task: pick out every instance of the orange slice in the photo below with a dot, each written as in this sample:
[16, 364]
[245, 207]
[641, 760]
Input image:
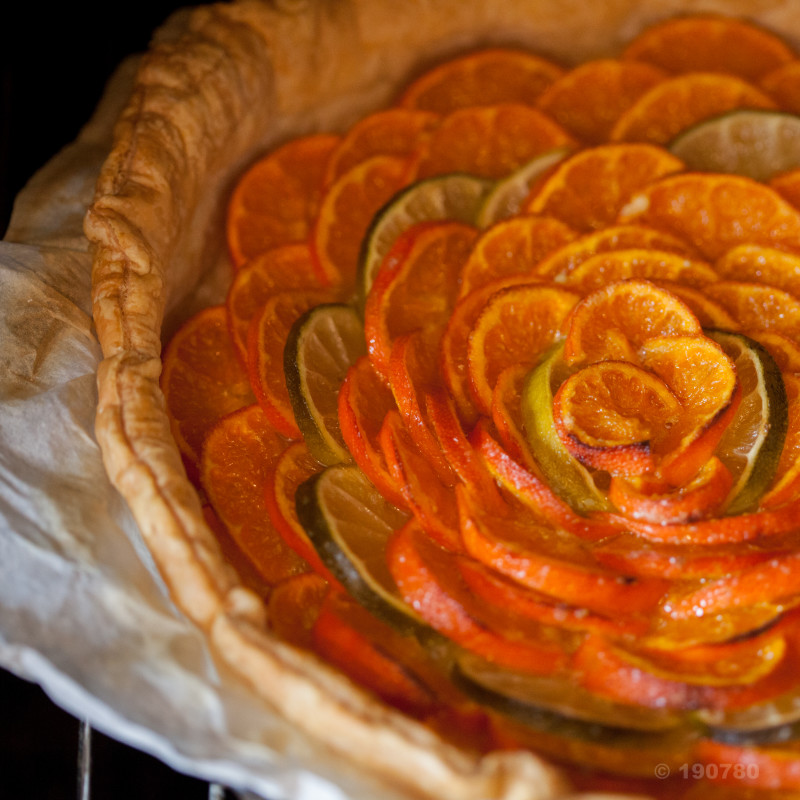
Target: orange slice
[756, 305]
[489, 141]
[784, 350]
[294, 606]
[266, 339]
[760, 264]
[202, 381]
[517, 326]
[237, 457]
[709, 313]
[712, 43]
[678, 103]
[706, 210]
[613, 322]
[588, 190]
[276, 200]
[486, 77]
[588, 100]
[286, 267]
[781, 84]
[346, 211]
[416, 285]
[512, 247]
[389, 132]
[654, 265]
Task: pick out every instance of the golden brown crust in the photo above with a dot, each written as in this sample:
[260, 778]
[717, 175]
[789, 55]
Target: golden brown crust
[240, 77]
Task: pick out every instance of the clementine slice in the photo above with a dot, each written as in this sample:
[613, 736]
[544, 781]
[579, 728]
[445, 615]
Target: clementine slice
[588, 189]
[517, 325]
[709, 313]
[286, 267]
[202, 381]
[489, 141]
[781, 84]
[507, 412]
[714, 43]
[613, 322]
[512, 247]
[761, 264]
[678, 103]
[587, 100]
[706, 210]
[757, 305]
[266, 339]
[293, 608]
[237, 457]
[485, 77]
[276, 200]
[784, 350]
[346, 210]
[388, 132]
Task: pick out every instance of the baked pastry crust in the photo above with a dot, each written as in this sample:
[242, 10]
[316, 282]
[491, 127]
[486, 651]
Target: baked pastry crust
[239, 78]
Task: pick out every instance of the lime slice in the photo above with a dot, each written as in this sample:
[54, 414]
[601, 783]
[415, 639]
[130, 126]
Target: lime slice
[753, 143]
[456, 196]
[752, 444]
[349, 524]
[566, 476]
[322, 345]
[506, 198]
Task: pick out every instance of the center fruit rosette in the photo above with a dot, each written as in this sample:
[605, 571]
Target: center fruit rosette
[521, 451]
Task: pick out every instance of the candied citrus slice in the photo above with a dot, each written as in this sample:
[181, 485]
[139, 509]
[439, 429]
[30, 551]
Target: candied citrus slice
[588, 189]
[757, 305]
[786, 481]
[349, 523]
[651, 264]
[614, 321]
[446, 197]
[760, 264]
[612, 416]
[709, 313]
[755, 143]
[276, 200]
[294, 606]
[512, 247]
[286, 267]
[784, 350]
[237, 456]
[364, 400]
[485, 77]
[715, 43]
[388, 132]
[752, 444]
[266, 339]
[706, 210]
[517, 326]
[489, 141]
[416, 285]
[774, 768]
[567, 477]
[508, 194]
[202, 381]
[507, 412]
[681, 102]
[346, 211]
[321, 347]
[588, 100]
[781, 84]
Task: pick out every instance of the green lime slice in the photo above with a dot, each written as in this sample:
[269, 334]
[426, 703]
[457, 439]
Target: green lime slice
[506, 198]
[349, 524]
[566, 476]
[752, 444]
[322, 345]
[754, 143]
[455, 196]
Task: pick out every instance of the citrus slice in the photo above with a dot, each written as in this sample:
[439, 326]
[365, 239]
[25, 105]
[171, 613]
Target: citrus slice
[565, 475]
[506, 198]
[758, 305]
[494, 75]
[706, 42]
[678, 103]
[447, 197]
[349, 523]
[294, 606]
[760, 264]
[321, 347]
[752, 444]
[489, 141]
[782, 86]
[588, 189]
[588, 100]
[276, 200]
[756, 144]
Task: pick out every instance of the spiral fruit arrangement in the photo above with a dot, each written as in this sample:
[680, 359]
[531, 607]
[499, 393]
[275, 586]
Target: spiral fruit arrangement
[501, 411]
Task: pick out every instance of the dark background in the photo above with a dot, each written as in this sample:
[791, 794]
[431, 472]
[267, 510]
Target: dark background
[55, 59]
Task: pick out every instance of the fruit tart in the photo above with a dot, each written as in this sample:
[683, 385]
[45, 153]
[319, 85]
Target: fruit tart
[476, 451]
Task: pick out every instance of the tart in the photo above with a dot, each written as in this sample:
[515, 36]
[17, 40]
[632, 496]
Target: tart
[640, 515]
